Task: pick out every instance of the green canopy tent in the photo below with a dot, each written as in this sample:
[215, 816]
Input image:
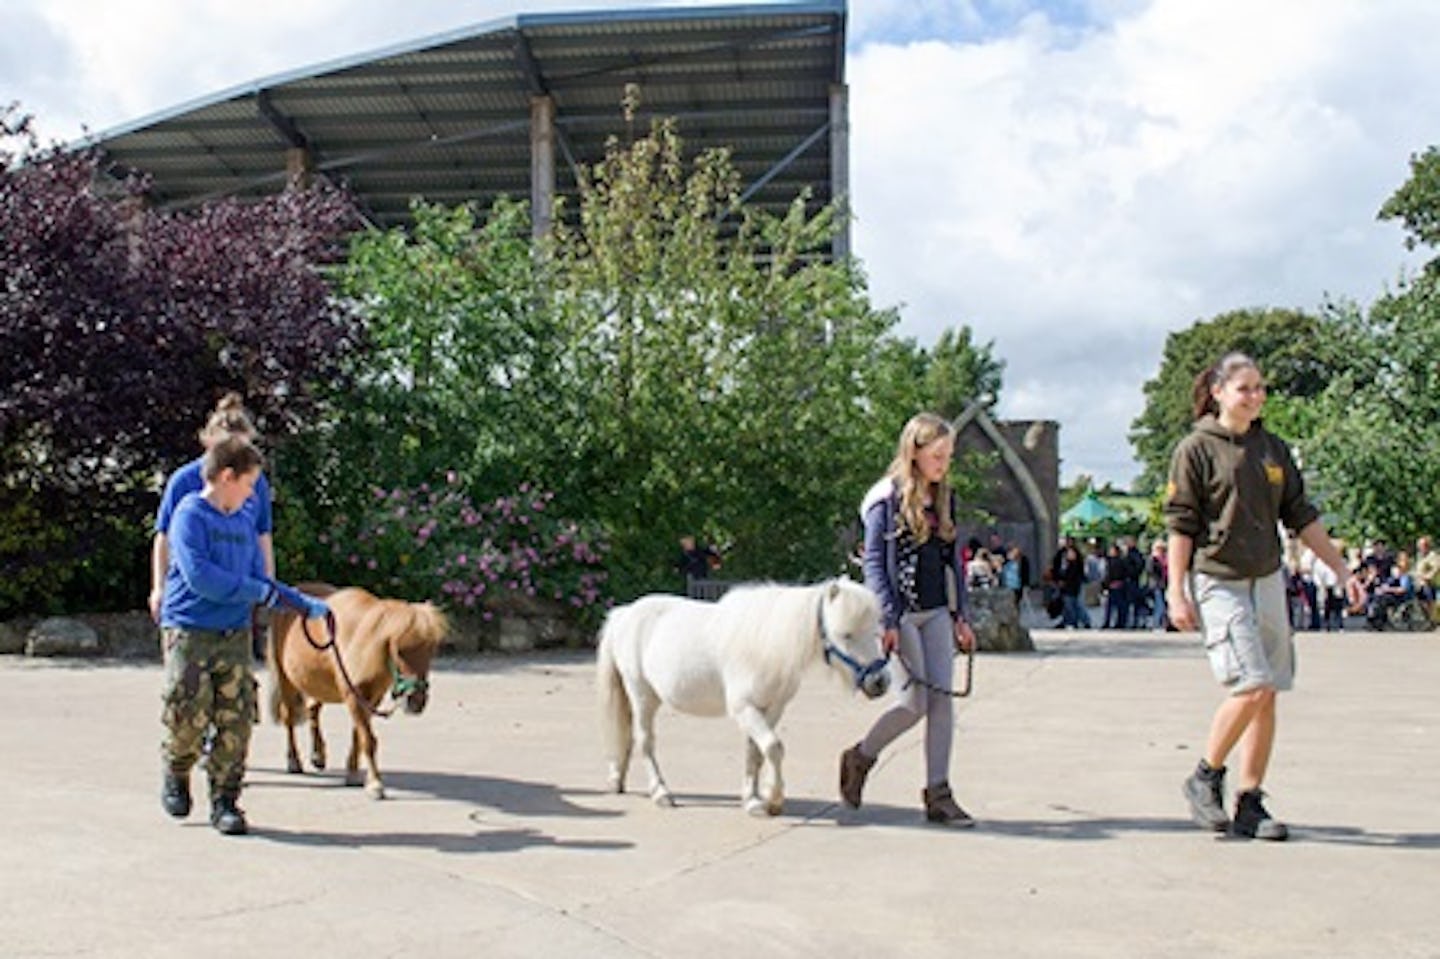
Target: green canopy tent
[1092, 516]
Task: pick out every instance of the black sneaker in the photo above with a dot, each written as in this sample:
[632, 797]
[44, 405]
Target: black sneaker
[175, 794]
[227, 817]
[1205, 789]
[1252, 821]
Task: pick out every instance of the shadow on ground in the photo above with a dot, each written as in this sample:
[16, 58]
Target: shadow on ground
[511, 796]
[480, 841]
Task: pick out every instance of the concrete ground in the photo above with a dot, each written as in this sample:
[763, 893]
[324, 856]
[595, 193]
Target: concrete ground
[499, 841]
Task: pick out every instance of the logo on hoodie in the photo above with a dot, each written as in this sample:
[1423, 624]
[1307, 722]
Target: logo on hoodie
[1275, 473]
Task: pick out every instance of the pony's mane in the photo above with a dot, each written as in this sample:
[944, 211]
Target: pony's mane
[405, 624]
[771, 625]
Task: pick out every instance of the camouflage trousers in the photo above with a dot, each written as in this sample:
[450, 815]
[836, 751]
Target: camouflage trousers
[209, 701]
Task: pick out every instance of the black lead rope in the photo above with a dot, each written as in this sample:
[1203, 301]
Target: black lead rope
[331, 634]
[915, 680]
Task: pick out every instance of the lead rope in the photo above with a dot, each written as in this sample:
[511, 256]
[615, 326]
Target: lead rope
[915, 680]
[334, 647]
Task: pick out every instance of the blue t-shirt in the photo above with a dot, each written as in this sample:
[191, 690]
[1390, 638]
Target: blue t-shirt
[216, 569]
[189, 479]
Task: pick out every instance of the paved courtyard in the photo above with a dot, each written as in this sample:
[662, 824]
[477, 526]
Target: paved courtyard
[499, 841]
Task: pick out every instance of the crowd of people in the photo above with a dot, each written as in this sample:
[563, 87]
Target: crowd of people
[1389, 578]
[1131, 583]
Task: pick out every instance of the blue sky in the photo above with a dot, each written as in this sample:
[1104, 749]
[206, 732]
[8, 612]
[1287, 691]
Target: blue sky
[1073, 180]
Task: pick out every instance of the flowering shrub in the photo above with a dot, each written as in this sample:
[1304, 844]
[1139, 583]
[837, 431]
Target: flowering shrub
[438, 544]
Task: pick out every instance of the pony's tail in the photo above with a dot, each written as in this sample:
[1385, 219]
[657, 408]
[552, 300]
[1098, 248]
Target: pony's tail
[615, 712]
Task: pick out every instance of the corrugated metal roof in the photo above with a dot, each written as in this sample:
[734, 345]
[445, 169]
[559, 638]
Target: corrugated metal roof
[448, 117]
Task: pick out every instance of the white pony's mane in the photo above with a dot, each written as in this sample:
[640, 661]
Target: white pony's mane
[776, 628]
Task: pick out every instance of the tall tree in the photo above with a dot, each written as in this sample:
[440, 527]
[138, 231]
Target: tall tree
[1373, 448]
[1417, 204]
[119, 327]
[1372, 452]
[719, 366]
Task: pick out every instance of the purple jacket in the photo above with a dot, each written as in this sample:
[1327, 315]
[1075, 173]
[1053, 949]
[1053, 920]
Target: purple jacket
[878, 511]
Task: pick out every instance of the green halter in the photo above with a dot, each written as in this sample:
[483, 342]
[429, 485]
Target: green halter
[402, 685]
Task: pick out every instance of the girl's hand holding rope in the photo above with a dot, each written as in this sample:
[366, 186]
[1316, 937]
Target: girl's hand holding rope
[964, 636]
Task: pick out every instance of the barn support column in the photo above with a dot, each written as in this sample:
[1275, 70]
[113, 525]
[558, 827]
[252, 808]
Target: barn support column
[542, 164]
[299, 168]
[840, 166]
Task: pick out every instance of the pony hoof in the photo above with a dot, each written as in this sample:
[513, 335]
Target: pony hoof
[292, 765]
[375, 790]
[775, 807]
[615, 785]
[756, 808]
[663, 799]
[318, 761]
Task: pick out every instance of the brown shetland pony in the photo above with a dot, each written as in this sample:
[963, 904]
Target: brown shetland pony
[387, 646]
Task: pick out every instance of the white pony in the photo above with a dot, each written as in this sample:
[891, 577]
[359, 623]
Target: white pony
[743, 655]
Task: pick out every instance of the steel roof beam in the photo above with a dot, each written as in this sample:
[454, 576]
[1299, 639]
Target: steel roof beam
[281, 123]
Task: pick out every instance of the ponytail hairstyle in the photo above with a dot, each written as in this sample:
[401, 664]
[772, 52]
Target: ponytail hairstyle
[922, 430]
[1202, 397]
[227, 419]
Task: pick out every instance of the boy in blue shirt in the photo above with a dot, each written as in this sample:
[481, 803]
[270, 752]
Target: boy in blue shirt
[216, 573]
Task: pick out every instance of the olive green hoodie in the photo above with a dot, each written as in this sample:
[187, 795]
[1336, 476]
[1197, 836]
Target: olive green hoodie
[1229, 493]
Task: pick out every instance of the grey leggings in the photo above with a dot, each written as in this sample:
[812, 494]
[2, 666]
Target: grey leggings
[927, 641]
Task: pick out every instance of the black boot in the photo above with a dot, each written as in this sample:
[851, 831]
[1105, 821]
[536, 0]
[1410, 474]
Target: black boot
[1253, 820]
[175, 794]
[227, 817]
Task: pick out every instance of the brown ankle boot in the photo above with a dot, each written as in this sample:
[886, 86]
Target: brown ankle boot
[940, 806]
[854, 767]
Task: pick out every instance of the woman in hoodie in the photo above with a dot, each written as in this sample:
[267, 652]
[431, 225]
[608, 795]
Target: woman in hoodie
[910, 544]
[1231, 484]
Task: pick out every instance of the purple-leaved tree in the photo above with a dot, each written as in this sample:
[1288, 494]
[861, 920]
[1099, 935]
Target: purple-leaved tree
[120, 325]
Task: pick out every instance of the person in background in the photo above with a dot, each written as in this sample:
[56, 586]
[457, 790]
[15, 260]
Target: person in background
[1158, 575]
[1010, 574]
[1391, 589]
[1232, 483]
[696, 562]
[1071, 582]
[1427, 570]
[1330, 598]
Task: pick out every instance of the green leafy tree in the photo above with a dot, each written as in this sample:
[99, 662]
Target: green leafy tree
[1417, 204]
[448, 308]
[668, 361]
[718, 368]
[1372, 452]
[1294, 349]
[958, 372]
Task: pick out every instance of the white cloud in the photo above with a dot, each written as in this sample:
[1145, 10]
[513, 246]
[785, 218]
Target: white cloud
[1075, 196]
